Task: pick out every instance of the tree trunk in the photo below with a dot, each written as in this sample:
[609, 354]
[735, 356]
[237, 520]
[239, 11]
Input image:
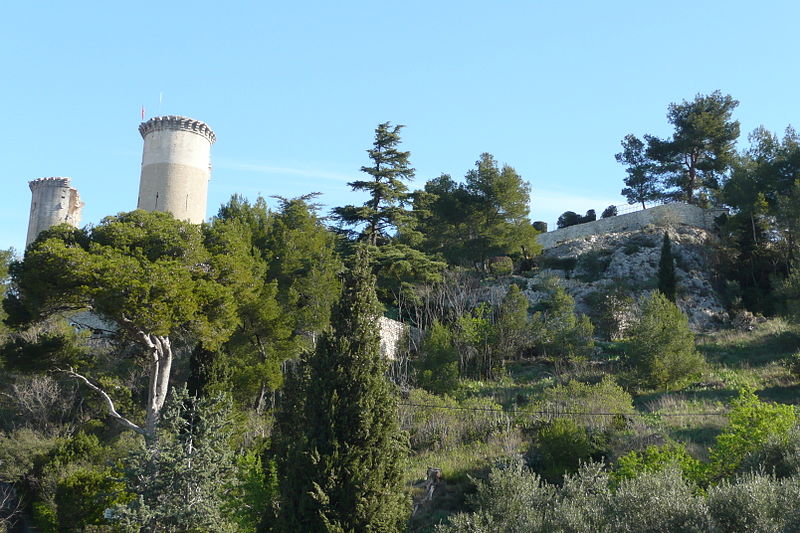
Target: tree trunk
[159, 367]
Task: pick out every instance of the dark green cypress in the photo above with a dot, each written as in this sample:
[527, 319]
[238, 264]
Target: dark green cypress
[343, 471]
[666, 270]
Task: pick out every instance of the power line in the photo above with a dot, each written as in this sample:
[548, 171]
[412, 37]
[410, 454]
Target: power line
[557, 412]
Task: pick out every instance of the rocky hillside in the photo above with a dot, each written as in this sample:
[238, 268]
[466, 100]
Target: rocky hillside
[618, 265]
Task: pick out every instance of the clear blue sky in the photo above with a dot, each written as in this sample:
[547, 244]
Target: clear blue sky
[294, 90]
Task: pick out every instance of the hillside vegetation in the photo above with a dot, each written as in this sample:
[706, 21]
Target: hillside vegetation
[160, 376]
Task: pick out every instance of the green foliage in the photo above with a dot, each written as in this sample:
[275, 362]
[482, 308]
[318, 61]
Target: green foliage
[666, 270]
[576, 401]
[512, 499]
[501, 265]
[343, 470]
[485, 216]
[592, 265]
[388, 171]
[84, 494]
[441, 422]
[253, 492]
[567, 219]
[41, 347]
[511, 325]
[657, 458]
[558, 332]
[641, 183]
[656, 502]
[751, 423]
[610, 211]
[437, 367]
[702, 147]
[753, 503]
[563, 445]
[179, 480]
[660, 349]
[288, 280]
[475, 342]
[516, 499]
[778, 456]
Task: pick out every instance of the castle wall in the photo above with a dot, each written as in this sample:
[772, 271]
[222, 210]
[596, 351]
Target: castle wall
[53, 202]
[663, 215]
[176, 167]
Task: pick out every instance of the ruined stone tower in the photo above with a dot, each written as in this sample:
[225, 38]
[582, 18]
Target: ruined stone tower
[176, 167]
[54, 202]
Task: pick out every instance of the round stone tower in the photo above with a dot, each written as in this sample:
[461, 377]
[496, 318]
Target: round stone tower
[176, 167]
[54, 202]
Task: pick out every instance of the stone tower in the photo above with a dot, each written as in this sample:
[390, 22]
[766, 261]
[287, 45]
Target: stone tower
[54, 202]
[176, 167]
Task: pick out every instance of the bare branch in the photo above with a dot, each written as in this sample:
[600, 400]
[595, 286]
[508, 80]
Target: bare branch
[112, 411]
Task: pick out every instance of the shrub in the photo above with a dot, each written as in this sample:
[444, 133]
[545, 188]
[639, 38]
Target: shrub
[562, 446]
[591, 265]
[752, 503]
[583, 398]
[437, 422]
[83, 495]
[512, 499]
[610, 211]
[558, 332]
[501, 265]
[660, 349]
[437, 368]
[778, 456]
[751, 425]
[656, 459]
[657, 502]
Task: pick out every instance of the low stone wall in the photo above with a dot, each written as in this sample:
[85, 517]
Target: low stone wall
[662, 215]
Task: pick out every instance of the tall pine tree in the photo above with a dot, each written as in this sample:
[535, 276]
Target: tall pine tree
[342, 471]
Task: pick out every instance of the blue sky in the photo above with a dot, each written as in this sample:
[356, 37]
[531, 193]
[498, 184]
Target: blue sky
[295, 90]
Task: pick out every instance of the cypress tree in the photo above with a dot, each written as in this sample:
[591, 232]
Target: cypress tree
[666, 270]
[343, 470]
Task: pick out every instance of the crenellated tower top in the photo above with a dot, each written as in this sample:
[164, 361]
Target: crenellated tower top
[49, 182]
[174, 122]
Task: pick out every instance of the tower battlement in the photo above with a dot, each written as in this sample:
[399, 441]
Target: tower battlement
[49, 182]
[175, 122]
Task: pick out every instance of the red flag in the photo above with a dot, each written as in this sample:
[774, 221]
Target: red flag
[142, 112]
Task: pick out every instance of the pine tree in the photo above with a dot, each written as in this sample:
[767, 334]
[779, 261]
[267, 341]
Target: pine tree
[343, 472]
[385, 210]
[666, 270]
[181, 478]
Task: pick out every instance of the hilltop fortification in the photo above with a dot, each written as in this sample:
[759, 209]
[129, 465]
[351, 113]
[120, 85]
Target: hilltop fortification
[53, 202]
[176, 167]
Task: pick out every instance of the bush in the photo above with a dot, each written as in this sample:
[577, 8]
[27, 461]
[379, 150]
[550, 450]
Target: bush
[562, 446]
[437, 422]
[437, 368]
[660, 349]
[591, 265]
[501, 265]
[583, 398]
[657, 502]
[779, 456]
[610, 211]
[752, 423]
[558, 332]
[753, 503]
[656, 459]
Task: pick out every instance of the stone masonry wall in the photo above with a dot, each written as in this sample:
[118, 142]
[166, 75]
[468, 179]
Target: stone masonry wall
[672, 214]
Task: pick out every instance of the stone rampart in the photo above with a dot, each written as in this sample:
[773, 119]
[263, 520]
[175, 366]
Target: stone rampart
[672, 214]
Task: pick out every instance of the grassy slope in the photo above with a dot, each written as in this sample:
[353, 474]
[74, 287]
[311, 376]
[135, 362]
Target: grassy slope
[736, 359]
